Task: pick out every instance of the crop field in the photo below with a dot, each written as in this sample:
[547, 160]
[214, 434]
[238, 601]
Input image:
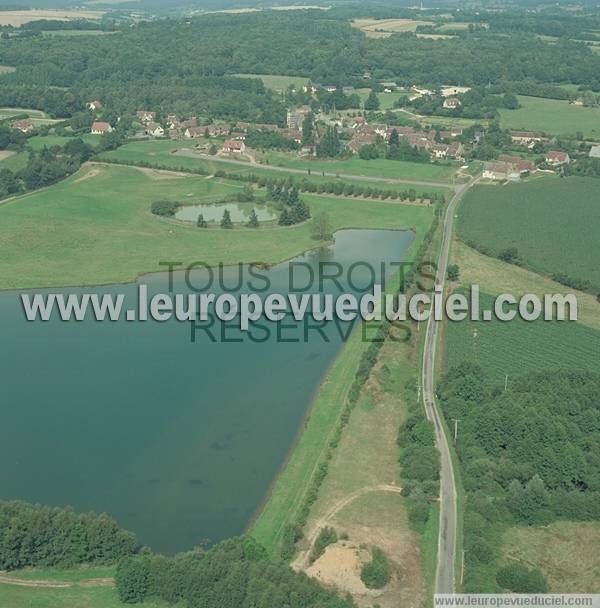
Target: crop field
[278, 83]
[519, 346]
[75, 227]
[14, 161]
[18, 18]
[552, 116]
[567, 552]
[553, 223]
[8, 112]
[386, 169]
[383, 28]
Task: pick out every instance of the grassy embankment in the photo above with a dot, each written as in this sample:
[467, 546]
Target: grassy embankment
[536, 218]
[76, 228]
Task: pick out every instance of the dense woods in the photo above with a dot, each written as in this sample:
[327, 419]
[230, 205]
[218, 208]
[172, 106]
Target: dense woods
[233, 574]
[529, 456]
[34, 535]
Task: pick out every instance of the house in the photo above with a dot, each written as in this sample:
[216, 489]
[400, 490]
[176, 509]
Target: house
[455, 150]
[219, 130]
[381, 130]
[93, 105]
[526, 138]
[451, 103]
[233, 146]
[154, 130]
[359, 122]
[173, 134]
[439, 150]
[172, 121]
[330, 88]
[23, 125]
[519, 164]
[194, 132]
[595, 152]
[496, 170]
[359, 140]
[556, 158]
[145, 116]
[99, 128]
[293, 134]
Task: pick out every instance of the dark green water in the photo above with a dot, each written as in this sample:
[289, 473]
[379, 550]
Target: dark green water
[178, 441]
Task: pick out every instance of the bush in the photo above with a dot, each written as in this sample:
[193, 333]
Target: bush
[376, 573]
[165, 208]
[327, 536]
[518, 579]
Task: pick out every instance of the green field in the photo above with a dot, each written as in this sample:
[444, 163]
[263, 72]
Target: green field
[553, 117]
[386, 100]
[8, 112]
[14, 162]
[37, 142]
[162, 154]
[75, 227]
[279, 83]
[554, 224]
[385, 169]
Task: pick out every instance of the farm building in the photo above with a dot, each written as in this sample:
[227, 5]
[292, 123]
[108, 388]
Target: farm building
[556, 158]
[194, 132]
[23, 125]
[99, 128]
[595, 152]
[451, 103]
[231, 146]
[526, 138]
[522, 165]
[500, 170]
[154, 130]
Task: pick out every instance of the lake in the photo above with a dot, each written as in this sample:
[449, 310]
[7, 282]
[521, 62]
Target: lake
[178, 440]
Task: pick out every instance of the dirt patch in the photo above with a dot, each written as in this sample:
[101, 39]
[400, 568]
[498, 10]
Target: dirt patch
[340, 567]
[161, 174]
[4, 154]
[43, 584]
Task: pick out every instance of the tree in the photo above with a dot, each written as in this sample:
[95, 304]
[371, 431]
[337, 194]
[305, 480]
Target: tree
[226, 221]
[372, 103]
[321, 228]
[369, 152]
[376, 573]
[307, 130]
[394, 138]
[329, 146]
[253, 220]
[453, 272]
[246, 195]
[201, 223]
[519, 579]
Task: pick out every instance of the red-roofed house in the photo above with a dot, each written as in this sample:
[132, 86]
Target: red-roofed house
[556, 158]
[233, 146]
[23, 125]
[98, 128]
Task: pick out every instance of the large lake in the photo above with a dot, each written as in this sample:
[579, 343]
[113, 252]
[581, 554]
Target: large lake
[178, 440]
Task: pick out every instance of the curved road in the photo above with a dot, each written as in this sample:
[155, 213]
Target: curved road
[444, 577]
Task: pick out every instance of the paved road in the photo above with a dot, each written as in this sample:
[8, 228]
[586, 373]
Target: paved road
[444, 578]
[317, 173]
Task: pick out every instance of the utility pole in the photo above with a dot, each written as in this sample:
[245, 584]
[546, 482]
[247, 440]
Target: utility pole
[456, 421]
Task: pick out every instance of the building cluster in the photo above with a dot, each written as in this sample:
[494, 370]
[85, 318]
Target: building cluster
[439, 144]
[512, 168]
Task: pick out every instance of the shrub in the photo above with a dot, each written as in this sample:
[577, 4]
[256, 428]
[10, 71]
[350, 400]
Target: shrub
[376, 573]
[327, 536]
[165, 208]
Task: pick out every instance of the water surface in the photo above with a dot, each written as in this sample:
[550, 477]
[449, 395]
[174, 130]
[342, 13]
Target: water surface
[240, 212]
[179, 441]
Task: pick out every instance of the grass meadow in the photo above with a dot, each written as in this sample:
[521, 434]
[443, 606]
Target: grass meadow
[554, 224]
[96, 227]
[552, 116]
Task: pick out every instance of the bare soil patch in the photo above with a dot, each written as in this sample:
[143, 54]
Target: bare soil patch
[18, 18]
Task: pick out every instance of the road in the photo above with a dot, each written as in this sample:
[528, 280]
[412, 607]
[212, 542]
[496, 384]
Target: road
[444, 578]
[316, 173]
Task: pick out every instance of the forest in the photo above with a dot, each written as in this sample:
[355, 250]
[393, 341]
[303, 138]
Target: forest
[529, 455]
[189, 67]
